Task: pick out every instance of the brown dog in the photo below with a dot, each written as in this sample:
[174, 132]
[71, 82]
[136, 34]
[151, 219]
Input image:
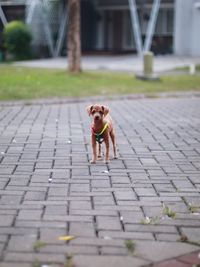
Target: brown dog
[101, 129]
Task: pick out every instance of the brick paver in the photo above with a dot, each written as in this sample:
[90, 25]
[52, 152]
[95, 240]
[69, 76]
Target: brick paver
[49, 189]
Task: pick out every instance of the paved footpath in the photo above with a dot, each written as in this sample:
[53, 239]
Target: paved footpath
[135, 211]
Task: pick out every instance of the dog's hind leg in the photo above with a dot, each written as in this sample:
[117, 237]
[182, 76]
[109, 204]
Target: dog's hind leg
[112, 136]
[107, 149]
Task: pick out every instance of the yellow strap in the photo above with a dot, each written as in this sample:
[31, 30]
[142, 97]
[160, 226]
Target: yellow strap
[103, 130]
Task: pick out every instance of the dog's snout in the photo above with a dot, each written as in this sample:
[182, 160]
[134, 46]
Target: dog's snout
[97, 117]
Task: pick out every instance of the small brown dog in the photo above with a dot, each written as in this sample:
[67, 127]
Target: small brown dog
[101, 128]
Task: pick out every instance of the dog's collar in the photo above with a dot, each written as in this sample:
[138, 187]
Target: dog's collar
[98, 136]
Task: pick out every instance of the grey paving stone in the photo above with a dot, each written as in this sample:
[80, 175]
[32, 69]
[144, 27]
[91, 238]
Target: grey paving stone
[80, 188]
[58, 191]
[2, 184]
[41, 224]
[93, 212]
[153, 211]
[29, 214]
[131, 216]
[22, 243]
[24, 168]
[126, 235]
[3, 238]
[85, 205]
[11, 192]
[125, 195]
[102, 205]
[104, 200]
[108, 261]
[151, 228]
[82, 229]
[18, 230]
[167, 237]
[7, 212]
[10, 264]
[6, 220]
[51, 236]
[71, 250]
[10, 199]
[120, 180]
[35, 195]
[56, 210]
[114, 251]
[159, 251]
[18, 181]
[17, 189]
[148, 161]
[68, 218]
[100, 183]
[108, 223]
[192, 233]
[31, 257]
[145, 192]
[1, 247]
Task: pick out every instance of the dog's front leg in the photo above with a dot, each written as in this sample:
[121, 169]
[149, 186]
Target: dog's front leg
[99, 152]
[94, 150]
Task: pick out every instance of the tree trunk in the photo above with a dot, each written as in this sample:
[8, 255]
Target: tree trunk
[73, 36]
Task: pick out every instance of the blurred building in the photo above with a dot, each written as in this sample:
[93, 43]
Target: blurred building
[114, 31]
[106, 25]
[187, 28]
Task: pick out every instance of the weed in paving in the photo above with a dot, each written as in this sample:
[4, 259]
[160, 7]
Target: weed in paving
[69, 261]
[152, 220]
[36, 263]
[192, 208]
[185, 239]
[38, 245]
[168, 212]
[130, 246]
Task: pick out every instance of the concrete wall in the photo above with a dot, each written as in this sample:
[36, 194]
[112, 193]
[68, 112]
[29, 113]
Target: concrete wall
[187, 28]
[195, 40]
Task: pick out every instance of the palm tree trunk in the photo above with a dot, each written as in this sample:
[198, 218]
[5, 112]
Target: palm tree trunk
[73, 36]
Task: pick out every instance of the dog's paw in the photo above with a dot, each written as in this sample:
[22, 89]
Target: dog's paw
[92, 161]
[106, 161]
[115, 157]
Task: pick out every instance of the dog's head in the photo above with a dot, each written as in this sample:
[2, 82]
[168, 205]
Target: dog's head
[97, 112]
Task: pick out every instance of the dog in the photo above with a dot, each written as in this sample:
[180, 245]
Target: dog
[101, 129]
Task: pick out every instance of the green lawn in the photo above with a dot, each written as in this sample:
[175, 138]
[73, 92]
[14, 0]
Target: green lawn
[25, 83]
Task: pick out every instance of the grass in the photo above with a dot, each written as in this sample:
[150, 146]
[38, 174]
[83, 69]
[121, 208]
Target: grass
[152, 220]
[69, 261]
[168, 212]
[130, 246]
[36, 263]
[192, 208]
[197, 67]
[38, 245]
[23, 83]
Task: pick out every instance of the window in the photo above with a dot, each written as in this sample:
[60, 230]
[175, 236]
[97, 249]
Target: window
[160, 22]
[129, 42]
[170, 20]
[165, 22]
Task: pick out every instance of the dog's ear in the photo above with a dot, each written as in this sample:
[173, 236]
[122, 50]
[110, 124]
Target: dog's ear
[105, 110]
[89, 110]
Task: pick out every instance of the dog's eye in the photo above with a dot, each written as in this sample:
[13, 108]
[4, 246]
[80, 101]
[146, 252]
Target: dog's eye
[93, 111]
[101, 112]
